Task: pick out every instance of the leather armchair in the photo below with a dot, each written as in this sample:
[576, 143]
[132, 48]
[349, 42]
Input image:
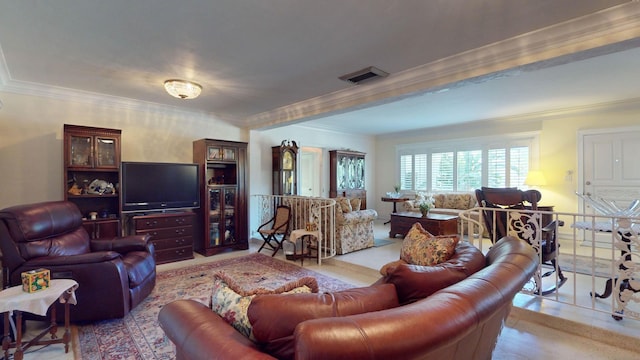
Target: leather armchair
[113, 275]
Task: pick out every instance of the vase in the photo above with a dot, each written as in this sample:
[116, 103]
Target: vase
[424, 213]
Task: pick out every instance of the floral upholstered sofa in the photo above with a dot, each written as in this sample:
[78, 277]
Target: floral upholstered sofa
[354, 227]
[445, 203]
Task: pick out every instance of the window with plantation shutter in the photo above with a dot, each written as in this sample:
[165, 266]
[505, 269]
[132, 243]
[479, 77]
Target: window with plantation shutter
[420, 166]
[518, 165]
[442, 171]
[466, 165]
[406, 172]
[497, 168]
[469, 170]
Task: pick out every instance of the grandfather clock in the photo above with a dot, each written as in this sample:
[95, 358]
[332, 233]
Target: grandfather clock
[285, 167]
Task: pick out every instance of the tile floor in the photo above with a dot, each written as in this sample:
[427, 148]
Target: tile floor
[536, 329]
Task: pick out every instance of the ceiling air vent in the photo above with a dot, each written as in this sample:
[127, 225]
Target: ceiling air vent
[366, 74]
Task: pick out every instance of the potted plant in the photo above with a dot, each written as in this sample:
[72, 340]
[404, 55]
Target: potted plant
[426, 205]
[424, 208]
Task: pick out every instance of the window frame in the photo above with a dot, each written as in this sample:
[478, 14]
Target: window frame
[484, 144]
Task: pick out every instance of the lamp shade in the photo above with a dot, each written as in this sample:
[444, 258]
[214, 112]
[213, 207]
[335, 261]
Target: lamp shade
[182, 89]
[535, 178]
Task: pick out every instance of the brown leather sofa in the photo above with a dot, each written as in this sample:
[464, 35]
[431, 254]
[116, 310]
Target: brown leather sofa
[113, 275]
[459, 321]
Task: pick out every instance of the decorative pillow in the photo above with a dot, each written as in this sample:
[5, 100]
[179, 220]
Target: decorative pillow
[355, 204]
[275, 317]
[232, 306]
[419, 247]
[344, 204]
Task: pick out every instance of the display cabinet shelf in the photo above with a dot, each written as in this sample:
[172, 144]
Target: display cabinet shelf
[92, 156]
[222, 216]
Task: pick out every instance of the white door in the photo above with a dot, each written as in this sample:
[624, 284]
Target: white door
[611, 166]
[310, 170]
[610, 171]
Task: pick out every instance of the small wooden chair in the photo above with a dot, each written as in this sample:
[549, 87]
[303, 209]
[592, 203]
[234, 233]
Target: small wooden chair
[275, 230]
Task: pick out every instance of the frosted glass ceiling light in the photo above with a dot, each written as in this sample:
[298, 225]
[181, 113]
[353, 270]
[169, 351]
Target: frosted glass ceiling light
[182, 89]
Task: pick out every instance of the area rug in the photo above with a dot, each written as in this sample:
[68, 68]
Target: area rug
[138, 335]
[381, 242]
[584, 264]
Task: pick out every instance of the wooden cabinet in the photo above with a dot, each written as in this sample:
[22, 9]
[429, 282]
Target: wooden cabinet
[91, 176]
[285, 168]
[222, 216]
[171, 234]
[102, 228]
[346, 175]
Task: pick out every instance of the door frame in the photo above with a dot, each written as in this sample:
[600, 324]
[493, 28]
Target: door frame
[581, 135]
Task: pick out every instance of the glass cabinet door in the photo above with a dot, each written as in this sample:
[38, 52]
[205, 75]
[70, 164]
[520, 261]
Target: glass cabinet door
[215, 209]
[341, 172]
[230, 200]
[80, 151]
[106, 154]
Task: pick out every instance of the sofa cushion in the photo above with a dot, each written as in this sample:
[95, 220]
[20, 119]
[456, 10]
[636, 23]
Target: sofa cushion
[415, 282]
[461, 201]
[344, 204]
[232, 303]
[420, 247]
[355, 204]
[275, 317]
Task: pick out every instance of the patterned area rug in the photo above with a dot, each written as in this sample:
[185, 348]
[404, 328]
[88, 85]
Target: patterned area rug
[584, 265]
[138, 335]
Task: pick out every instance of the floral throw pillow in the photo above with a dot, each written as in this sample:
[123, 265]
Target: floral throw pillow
[232, 307]
[420, 247]
[344, 204]
[355, 204]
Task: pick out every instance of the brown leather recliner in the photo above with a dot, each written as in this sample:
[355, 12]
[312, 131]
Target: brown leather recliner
[113, 275]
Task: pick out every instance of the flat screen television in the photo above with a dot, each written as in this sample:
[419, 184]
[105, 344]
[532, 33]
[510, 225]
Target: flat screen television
[147, 186]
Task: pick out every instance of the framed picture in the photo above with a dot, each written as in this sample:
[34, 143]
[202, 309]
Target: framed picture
[214, 153]
[229, 154]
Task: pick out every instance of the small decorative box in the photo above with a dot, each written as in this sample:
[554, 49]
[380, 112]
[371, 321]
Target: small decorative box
[35, 280]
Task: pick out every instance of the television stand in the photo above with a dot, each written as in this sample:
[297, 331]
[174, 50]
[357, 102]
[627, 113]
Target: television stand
[171, 234]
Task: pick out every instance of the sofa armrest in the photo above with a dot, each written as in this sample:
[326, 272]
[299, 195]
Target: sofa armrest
[360, 216]
[89, 258]
[199, 333]
[121, 245]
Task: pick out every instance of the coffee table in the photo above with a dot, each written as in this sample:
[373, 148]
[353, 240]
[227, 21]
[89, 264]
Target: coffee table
[436, 224]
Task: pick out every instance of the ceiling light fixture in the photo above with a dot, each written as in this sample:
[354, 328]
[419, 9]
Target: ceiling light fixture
[182, 89]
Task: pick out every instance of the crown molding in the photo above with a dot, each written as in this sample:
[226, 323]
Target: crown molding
[561, 43]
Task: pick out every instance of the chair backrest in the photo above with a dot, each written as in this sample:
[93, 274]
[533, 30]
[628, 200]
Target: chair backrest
[41, 229]
[504, 198]
[282, 219]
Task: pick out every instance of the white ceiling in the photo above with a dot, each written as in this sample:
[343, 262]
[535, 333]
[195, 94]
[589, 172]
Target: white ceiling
[265, 63]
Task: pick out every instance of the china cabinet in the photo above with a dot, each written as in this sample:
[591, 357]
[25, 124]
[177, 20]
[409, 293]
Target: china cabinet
[285, 168]
[91, 177]
[222, 216]
[346, 172]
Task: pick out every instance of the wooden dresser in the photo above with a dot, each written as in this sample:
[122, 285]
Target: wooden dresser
[171, 234]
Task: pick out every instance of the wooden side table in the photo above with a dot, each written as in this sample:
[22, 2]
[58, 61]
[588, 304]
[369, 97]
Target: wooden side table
[394, 201]
[15, 300]
[305, 235]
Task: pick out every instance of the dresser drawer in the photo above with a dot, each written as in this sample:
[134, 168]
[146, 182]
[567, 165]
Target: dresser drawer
[169, 255]
[157, 234]
[156, 222]
[172, 243]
